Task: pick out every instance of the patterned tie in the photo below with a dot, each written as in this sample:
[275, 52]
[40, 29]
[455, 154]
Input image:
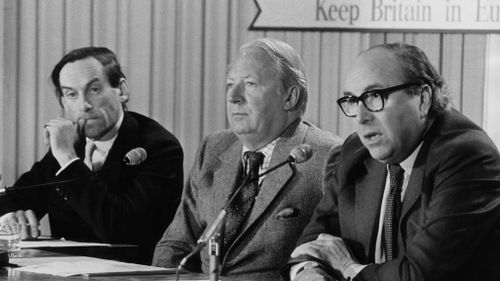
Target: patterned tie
[89, 150]
[240, 208]
[393, 211]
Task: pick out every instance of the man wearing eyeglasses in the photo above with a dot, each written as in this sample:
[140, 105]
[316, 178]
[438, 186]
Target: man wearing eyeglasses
[415, 193]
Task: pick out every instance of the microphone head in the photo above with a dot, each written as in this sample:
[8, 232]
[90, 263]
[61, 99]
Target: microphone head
[135, 156]
[301, 153]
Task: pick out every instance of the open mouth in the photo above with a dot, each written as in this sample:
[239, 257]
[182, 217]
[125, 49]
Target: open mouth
[371, 136]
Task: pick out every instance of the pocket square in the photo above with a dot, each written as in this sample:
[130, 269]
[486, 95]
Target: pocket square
[287, 213]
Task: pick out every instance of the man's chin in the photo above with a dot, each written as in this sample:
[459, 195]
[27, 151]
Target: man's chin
[239, 129]
[93, 133]
[380, 155]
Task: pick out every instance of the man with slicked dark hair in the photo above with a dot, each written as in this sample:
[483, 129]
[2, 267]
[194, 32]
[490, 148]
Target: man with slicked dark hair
[103, 199]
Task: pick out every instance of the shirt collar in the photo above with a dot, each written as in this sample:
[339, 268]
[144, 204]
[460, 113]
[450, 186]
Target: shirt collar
[105, 146]
[407, 164]
[267, 151]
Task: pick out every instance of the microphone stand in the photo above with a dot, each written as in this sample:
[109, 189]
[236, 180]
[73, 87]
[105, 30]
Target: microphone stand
[214, 253]
[93, 174]
[215, 226]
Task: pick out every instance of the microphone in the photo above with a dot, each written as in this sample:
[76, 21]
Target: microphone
[132, 158]
[135, 156]
[299, 154]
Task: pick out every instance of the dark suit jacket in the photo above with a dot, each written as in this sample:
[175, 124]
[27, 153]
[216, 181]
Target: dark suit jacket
[450, 222]
[268, 239]
[121, 204]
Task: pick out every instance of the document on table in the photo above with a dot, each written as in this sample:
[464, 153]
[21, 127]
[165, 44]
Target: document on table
[86, 266]
[58, 243]
[47, 242]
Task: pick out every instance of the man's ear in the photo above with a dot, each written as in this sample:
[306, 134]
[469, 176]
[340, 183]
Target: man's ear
[124, 91]
[425, 100]
[292, 98]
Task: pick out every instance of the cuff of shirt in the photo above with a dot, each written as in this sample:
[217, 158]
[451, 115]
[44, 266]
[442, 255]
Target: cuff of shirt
[298, 268]
[353, 270]
[66, 166]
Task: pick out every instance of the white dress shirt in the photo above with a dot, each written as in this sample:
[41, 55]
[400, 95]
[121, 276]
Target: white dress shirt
[103, 146]
[268, 152]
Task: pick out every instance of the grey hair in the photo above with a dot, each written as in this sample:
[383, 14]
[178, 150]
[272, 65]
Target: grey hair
[290, 64]
[417, 68]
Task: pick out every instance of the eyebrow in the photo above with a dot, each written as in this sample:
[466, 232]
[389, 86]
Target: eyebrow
[247, 76]
[86, 85]
[371, 87]
[374, 86]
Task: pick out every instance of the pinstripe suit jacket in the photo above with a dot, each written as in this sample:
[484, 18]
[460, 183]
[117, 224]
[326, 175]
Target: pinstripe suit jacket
[449, 227]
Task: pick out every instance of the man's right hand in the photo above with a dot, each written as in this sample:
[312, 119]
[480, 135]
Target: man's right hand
[61, 134]
[26, 219]
[313, 274]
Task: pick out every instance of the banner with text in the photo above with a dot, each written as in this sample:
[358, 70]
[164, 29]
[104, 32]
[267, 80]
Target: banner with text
[416, 15]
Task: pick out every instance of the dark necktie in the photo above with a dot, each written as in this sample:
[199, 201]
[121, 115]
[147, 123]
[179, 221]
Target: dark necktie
[240, 208]
[393, 211]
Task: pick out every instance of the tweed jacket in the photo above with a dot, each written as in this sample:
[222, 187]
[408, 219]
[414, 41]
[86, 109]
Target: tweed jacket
[268, 238]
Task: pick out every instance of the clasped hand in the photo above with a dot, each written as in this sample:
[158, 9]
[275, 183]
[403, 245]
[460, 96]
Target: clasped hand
[328, 248]
[61, 134]
[21, 221]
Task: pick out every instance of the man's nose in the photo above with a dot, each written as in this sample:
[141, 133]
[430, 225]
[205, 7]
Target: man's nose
[84, 104]
[236, 94]
[363, 115]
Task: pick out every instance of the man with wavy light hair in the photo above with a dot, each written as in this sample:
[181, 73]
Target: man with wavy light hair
[266, 97]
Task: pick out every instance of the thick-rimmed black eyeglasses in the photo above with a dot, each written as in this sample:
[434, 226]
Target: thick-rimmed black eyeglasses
[373, 100]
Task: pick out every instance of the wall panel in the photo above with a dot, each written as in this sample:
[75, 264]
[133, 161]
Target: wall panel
[50, 42]
[216, 59]
[452, 65]
[311, 45]
[77, 23]
[473, 76]
[163, 63]
[139, 53]
[27, 63]
[190, 77]
[10, 91]
[104, 23]
[492, 84]
[2, 93]
[175, 54]
[329, 81]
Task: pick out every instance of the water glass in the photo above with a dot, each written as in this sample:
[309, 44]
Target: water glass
[9, 239]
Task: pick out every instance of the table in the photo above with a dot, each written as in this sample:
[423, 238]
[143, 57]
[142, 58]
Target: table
[9, 274]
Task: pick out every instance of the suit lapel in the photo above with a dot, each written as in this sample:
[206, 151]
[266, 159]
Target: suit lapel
[275, 181]
[369, 192]
[414, 188]
[125, 141]
[226, 175]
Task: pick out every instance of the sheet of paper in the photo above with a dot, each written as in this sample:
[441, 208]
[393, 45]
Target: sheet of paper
[39, 260]
[87, 266]
[59, 243]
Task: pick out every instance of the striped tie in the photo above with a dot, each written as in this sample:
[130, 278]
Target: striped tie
[393, 211]
[239, 210]
[89, 150]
